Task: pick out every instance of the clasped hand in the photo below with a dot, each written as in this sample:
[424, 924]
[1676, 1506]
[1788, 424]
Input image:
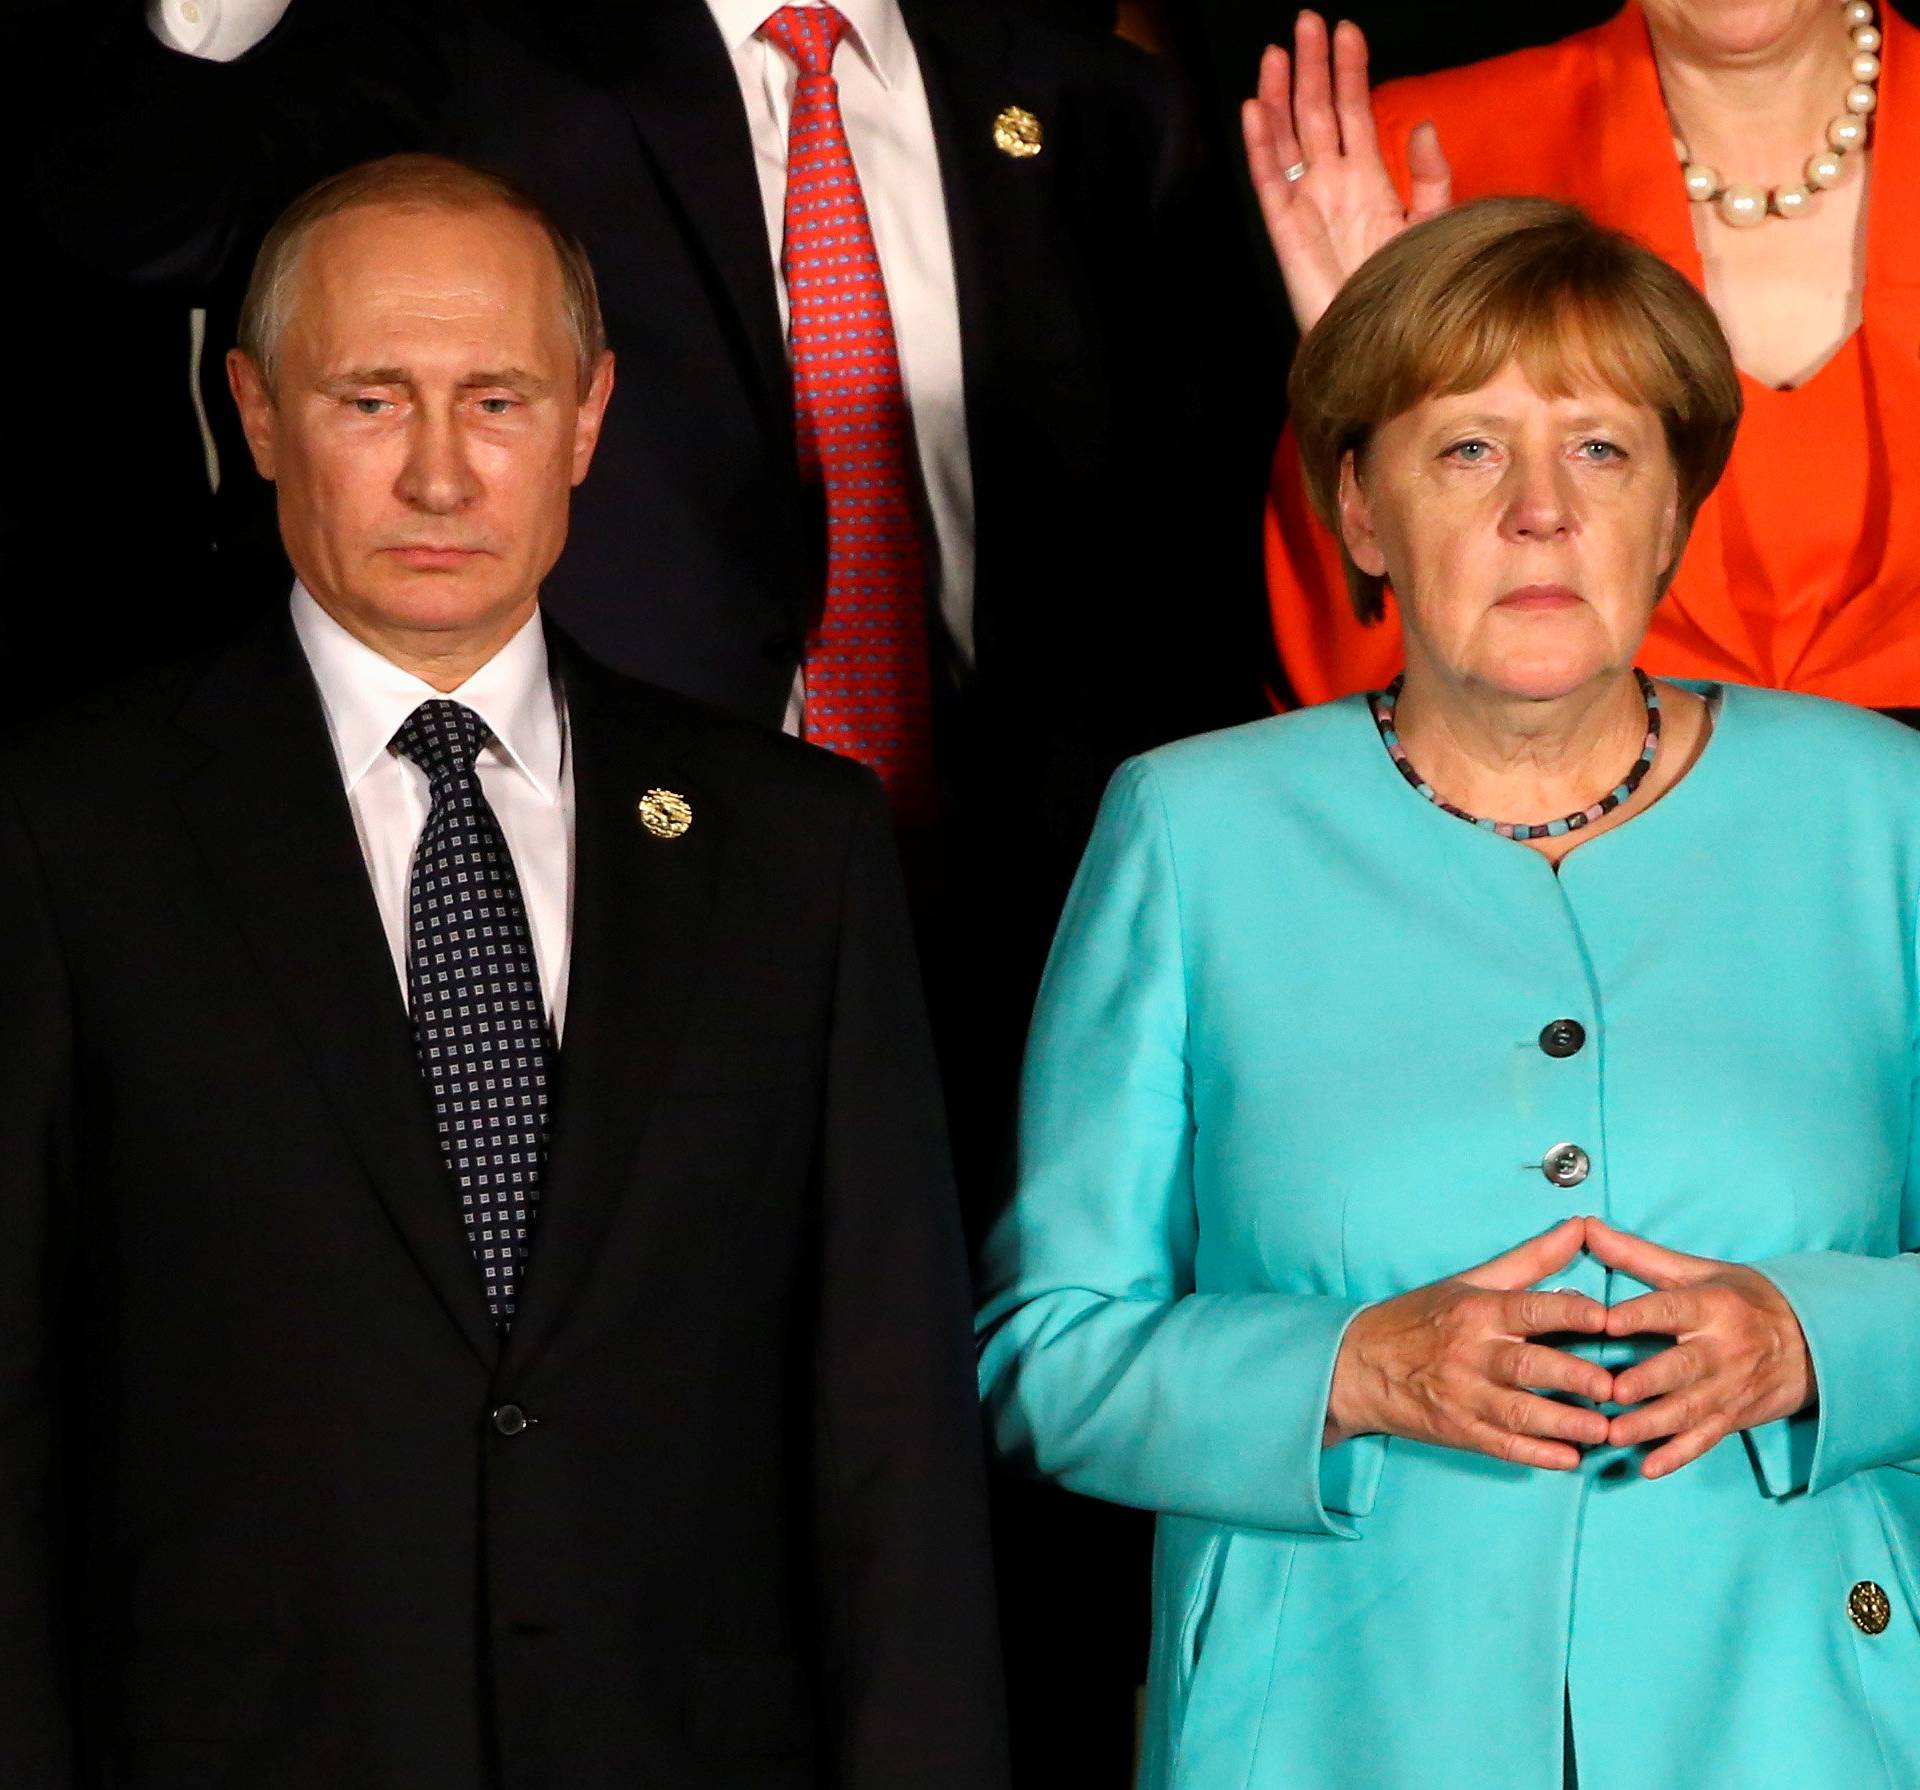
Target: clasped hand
[1458, 1363]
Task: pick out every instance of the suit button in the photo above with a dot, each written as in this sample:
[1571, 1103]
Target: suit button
[510, 1420]
[1562, 1037]
[1565, 1165]
[1868, 1606]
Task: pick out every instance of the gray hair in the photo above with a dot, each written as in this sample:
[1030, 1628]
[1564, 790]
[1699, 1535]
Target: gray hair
[418, 182]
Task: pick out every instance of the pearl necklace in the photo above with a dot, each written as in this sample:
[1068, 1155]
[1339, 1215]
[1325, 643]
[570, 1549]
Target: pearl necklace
[1744, 203]
[1385, 703]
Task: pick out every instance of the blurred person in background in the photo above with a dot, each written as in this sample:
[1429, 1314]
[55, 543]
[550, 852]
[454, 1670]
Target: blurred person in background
[1764, 151]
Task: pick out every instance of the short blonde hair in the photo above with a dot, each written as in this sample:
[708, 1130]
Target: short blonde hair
[410, 183]
[1447, 303]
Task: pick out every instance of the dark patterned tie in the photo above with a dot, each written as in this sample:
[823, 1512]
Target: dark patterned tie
[479, 1023]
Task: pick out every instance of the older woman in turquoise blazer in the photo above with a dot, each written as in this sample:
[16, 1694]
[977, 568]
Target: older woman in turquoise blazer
[1469, 1135]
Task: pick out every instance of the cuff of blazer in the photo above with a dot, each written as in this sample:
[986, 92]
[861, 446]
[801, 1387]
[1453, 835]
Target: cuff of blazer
[1346, 1476]
[1861, 1318]
[1782, 1452]
[1350, 1475]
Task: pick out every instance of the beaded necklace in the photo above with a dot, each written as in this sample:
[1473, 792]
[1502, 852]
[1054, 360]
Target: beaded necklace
[1385, 702]
[1744, 203]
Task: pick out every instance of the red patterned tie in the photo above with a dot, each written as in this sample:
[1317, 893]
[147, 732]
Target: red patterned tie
[869, 688]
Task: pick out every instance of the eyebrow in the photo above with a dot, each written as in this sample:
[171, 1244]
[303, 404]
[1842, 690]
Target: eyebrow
[518, 379]
[1487, 419]
[358, 376]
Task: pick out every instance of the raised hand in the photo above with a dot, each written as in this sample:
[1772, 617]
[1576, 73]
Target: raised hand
[1324, 191]
[1454, 1363]
[1738, 1358]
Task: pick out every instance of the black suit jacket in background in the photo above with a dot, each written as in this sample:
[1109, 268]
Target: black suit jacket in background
[258, 1529]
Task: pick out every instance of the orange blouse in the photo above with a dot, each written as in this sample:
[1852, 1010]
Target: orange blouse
[1803, 570]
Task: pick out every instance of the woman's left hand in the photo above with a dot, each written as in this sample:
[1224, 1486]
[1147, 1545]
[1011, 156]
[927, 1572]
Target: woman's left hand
[1738, 1358]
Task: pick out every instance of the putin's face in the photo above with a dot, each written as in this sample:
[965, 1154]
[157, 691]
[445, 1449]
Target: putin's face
[426, 425]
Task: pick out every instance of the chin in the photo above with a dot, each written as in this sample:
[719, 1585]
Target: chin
[437, 601]
[1546, 678]
[1745, 27]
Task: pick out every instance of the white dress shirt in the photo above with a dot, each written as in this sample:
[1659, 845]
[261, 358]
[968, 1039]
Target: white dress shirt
[526, 771]
[883, 101]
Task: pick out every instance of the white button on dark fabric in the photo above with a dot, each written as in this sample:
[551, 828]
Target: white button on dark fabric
[479, 1022]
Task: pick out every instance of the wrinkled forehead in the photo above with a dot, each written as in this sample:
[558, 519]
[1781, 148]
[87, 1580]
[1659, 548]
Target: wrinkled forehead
[482, 279]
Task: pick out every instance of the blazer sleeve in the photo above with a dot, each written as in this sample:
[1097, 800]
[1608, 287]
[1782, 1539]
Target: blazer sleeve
[1860, 1315]
[35, 1165]
[912, 1673]
[165, 169]
[1100, 1363]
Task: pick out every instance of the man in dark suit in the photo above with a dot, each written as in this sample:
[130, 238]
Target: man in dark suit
[1088, 455]
[481, 1303]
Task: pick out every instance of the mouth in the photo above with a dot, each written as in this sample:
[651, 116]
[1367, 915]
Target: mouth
[434, 559]
[1533, 598]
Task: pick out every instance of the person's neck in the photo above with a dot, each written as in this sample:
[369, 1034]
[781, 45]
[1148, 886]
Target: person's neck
[1508, 758]
[442, 657]
[1754, 111]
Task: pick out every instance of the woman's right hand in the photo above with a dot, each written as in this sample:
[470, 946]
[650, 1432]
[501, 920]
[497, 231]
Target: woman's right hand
[1329, 219]
[1454, 1363]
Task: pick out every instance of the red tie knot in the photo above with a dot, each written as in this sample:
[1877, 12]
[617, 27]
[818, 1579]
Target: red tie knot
[808, 35]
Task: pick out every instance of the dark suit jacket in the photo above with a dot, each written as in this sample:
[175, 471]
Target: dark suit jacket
[258, 1527]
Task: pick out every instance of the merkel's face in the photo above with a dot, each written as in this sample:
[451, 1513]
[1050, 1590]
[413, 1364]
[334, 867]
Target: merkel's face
[1524, 535]
[426, 427]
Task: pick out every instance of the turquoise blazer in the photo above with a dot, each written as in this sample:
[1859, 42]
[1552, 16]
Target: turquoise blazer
[1288, 1060]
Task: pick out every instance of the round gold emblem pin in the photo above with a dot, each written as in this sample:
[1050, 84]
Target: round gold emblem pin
[665, 813]
[1016, 132]
[1868, 1606]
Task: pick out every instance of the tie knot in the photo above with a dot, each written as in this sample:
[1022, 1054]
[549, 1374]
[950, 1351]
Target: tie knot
[442, 738]
[808, 34]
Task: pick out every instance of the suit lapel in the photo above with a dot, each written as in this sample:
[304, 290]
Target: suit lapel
[671, 70]
[640, 910]
[269, 814]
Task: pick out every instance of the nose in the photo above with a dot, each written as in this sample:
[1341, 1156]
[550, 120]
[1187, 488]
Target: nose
[438, 476]
[1539, 500]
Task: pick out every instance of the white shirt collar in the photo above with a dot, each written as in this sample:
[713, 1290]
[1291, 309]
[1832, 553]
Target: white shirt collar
[367, 697]
[874, 27]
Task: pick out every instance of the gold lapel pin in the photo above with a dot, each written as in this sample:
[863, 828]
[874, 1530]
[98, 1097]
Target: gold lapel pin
[1016, 132]
[665, 813]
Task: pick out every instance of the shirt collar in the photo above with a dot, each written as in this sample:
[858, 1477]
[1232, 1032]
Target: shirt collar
[874, 27]
[367, 697]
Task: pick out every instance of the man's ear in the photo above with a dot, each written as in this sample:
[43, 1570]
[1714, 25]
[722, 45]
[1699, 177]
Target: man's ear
[592, 413]
[1356, 520]
[254, 401]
